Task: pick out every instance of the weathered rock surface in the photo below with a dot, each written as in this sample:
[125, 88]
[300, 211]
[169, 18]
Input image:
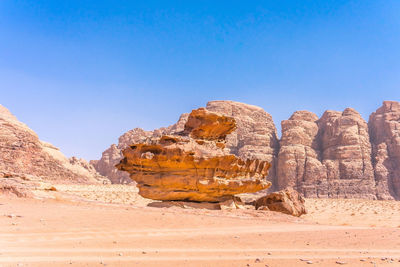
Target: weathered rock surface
[113, 155]
[329, 157]
[299, 164]
[255, 136]
[346, 154]
[335, 156]
[286, 201]
[194, 165]
[22, 154]
[384, 127]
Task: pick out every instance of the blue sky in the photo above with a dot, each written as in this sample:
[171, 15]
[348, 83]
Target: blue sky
[80, 73]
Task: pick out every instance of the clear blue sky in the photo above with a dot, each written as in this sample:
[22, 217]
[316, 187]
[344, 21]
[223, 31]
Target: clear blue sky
[80, 73]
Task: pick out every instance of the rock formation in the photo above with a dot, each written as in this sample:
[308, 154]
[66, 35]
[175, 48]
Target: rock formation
[299, 164]
[113, 155]
[286, 201]
[336, 156]
[346, 154]
[384, 127]
[255, 136]
[23, 154]
[329, 157]
[195, 164]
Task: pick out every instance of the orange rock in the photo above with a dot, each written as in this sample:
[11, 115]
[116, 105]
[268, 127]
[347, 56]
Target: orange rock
[179, 167]
[203, 124]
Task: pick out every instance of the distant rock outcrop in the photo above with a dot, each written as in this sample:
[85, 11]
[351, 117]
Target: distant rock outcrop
[23, 154]
[299, 164]
[384, 127]
[346, 154]
[195, 165]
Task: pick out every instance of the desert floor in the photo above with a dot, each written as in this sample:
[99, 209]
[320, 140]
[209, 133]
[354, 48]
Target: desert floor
[79, 226]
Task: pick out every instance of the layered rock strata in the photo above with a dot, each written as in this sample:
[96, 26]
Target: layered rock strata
[113, 155]
[195, 165]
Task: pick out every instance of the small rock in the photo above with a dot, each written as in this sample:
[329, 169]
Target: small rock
[309, 262]
[363, 260]
[341, 262]
[304, 260]
[257, 260]
[383, 259]
[269, 253]
[120, 254]
[144, 252]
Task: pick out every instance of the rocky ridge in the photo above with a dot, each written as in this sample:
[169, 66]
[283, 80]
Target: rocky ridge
[339, 155]
[23, 155]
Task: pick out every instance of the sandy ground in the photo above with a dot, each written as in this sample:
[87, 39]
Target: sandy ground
[80, 226]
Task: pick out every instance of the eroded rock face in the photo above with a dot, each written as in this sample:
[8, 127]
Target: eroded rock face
[329, 157]
[286, 201]
[299, 164]
[346, 154]
[384, 127]
[22, 154]
[193, 165]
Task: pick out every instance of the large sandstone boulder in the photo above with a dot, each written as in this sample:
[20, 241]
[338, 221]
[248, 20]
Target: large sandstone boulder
[286, 201]
[384, 127]
[195, 164]
[23, 154]
[255, 137]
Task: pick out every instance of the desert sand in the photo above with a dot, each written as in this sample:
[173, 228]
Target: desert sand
[110, 225]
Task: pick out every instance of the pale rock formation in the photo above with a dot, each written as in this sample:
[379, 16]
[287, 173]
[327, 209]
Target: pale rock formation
[299, 164]
[23, 154]
[194, 165]
[384, 128]
[346, 154]
[329, 157]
